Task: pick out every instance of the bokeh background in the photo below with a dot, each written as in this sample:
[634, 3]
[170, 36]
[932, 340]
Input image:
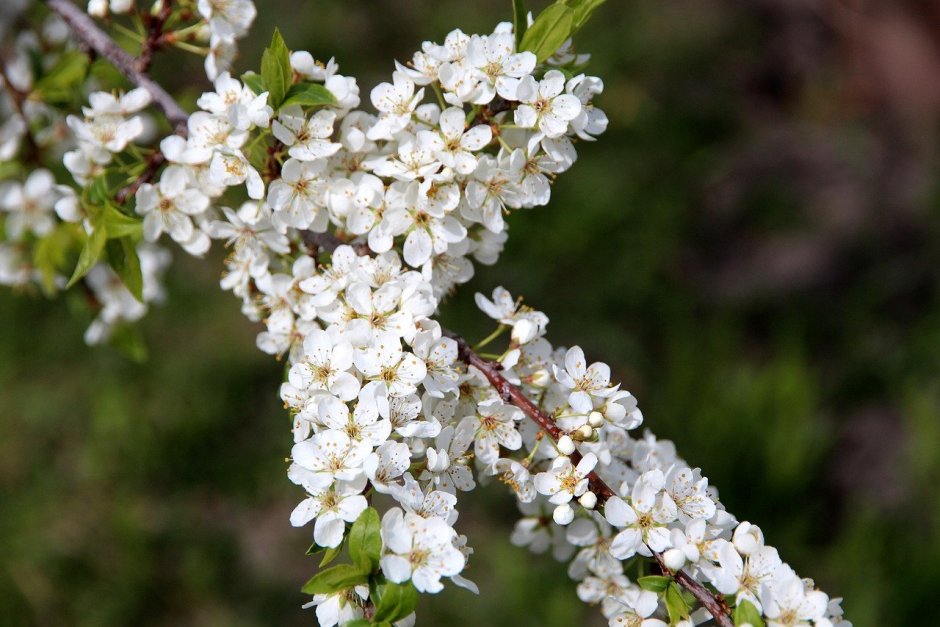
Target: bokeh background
[753, 246]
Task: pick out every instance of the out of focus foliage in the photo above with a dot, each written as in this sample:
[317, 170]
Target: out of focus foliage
[754, 244]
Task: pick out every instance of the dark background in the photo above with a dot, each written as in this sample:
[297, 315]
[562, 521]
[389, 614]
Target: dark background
[752, 246]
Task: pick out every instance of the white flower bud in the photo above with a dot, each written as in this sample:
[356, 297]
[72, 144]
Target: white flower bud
[748, 538]
[588, 500]
[596, 419]
[541, 378]
[563, 514]
[674, 559]
[565, 445]
[97, 8]
[586, 432]
[523, 331]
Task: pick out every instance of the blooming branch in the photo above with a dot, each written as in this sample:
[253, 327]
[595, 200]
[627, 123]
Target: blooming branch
[95, 38]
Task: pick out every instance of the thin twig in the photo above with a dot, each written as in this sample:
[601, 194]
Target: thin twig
[155, 38]
[153, 164]
[511, 394]
[88, 32]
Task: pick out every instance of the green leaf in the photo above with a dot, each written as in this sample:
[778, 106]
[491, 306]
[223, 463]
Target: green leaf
[98, 191]
[746, 612]
[276, 70]
[519, 21]
[120, 224]
[91, 252]
[396, 602]
[254, 82]
[549, 30]
[582, 12]
[359, 622]
[365, 540]
[330, 554]
[676, 606]
[335, 579]
[51, 255]
[58, 85]
[123, 257]
[654, 583]
[309, 95]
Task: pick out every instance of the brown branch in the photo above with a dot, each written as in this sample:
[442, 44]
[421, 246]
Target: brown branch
[88, 32]
[511, 394]
[155, 36]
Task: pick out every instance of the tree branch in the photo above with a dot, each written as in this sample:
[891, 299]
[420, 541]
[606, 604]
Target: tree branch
[88, 32]
[513, 395]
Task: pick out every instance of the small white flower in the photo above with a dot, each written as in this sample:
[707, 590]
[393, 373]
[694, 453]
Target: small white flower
[170, 205]
[396, 101]
[29, 205]
[419, 549]
[643, 525]
[563, 480]
[494, 425]
[332, 507]
[544, 105]
[325, 366]
[331, 456]
[308, 139]
[453, 146]
[386, 464]
[385, 361]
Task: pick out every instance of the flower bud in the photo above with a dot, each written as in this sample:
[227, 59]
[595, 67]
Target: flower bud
[565, 445]
[588, 500]
[541, 378]
[523, 331]
[563, 514]
[596, 419]
[747, 538]
[674, 559]
[586, 432]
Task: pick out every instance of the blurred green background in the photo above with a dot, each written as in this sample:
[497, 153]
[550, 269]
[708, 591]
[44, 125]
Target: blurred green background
[753, 247]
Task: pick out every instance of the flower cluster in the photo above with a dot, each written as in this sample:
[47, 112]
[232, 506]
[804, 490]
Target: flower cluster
[345, 230]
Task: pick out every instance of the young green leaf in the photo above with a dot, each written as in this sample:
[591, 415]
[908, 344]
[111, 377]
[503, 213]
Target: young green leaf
[254, 82]
[59, 84]
[335, 579]
[122, 254]
[582, 12]
[396, 602]
[365, 540]
[746, 612]
[120, 224]
[91, 252]
[676, 606]
[654, 583]
[549, 30]
[520, 21]
[51, 255]
[331, 554]
[309, 95]
[276, 70]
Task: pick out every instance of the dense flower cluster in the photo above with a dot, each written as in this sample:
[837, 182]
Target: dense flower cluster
[348, 229]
